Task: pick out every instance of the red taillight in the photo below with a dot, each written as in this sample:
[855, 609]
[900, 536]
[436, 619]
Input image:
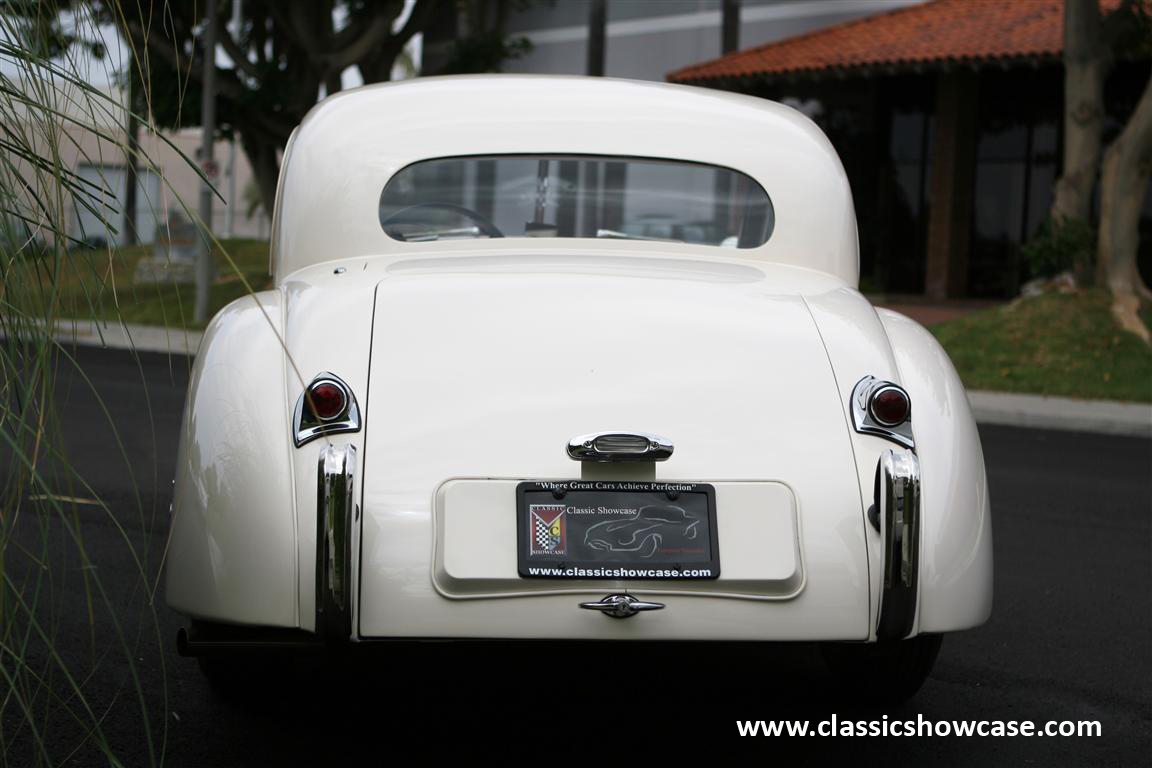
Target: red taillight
[890, 406]
[327, 400]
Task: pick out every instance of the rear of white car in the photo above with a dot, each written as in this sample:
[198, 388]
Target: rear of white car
[556, 359]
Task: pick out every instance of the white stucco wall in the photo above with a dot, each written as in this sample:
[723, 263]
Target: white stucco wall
[86, 138]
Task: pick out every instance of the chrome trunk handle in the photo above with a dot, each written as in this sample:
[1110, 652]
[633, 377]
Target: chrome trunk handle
[620, 446]
[621, 606]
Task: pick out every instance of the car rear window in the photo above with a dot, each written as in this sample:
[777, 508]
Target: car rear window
[575, 196]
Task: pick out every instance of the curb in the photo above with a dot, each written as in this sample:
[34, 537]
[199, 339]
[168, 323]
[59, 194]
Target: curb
[1100, 416]
[1015, 410]
[142, 338]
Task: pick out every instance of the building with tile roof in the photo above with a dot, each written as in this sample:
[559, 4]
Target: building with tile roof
[949, 118]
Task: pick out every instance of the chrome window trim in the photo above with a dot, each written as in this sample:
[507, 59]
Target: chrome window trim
[899, 505]
[306, 427]
[865, 423]
[335, 517]
[584, 448]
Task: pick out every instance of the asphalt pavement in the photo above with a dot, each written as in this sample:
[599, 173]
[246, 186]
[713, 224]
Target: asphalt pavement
[1070, 637]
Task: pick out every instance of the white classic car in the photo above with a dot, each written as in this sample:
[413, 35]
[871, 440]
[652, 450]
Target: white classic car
[563, 358]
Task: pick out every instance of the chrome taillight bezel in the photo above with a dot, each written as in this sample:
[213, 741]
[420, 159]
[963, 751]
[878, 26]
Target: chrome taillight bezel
[864, 420]
[307, 425]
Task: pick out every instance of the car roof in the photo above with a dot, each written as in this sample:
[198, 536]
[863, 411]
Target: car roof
[350, 144]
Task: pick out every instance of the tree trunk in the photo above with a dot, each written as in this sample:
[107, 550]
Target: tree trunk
[1083, 110]
[265, 169]
[1123, 185]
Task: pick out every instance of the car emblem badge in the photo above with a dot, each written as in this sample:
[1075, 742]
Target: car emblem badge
[549, 534]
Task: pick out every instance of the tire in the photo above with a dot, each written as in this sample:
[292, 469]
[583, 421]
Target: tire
[226, 677]
[251, 675]
[886, 672]
[237, 660]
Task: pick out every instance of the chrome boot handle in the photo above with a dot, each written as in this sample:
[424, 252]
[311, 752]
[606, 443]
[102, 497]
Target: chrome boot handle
[620, 446]
[621, 606]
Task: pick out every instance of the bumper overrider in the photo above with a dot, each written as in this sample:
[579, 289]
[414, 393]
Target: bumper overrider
[337, 514]
[898, 506]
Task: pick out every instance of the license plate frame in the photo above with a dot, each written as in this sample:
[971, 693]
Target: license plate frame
[619, 530]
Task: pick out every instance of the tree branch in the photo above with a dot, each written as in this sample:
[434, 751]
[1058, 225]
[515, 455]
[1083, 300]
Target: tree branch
[417, 20]
[190, 66]
[229, 88]
[239, 56]
[376, 64]
[348, 49]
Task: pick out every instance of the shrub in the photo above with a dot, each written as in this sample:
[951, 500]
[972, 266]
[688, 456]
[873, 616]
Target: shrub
[1062, 246]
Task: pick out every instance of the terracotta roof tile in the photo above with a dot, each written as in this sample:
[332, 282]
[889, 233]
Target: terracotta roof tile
[944, 31]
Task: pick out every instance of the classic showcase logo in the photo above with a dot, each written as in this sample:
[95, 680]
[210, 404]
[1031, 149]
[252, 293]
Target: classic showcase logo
[549, 534]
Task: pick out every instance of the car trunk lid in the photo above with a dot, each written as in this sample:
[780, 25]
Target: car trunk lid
[480, 377]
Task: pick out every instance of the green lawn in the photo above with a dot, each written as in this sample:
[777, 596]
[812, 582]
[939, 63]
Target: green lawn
[99, 284]
[1064, 345]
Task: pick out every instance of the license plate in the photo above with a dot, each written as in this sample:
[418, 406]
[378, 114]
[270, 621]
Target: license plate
[595, 529]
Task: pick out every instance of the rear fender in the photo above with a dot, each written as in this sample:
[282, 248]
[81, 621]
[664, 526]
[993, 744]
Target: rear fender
[232, 554]
[956, 525]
